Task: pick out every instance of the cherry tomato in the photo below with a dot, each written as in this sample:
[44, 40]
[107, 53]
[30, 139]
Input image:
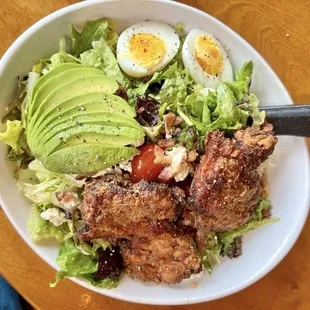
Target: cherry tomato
[143, 166]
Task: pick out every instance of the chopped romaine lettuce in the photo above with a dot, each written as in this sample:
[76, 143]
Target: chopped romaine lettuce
[102, 57]
[12, 134]
[227, 108]
[74, 263]
[92, 31]
[60, 58]
[41, 229]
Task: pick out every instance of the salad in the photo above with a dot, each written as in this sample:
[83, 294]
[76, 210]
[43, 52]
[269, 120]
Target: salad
[140, 152]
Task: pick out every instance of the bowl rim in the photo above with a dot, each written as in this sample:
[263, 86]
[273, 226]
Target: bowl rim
[276, 259]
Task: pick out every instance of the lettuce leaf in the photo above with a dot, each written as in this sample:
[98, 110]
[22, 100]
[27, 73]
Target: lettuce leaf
[103, 58]
[12, 134]
[92, 31]
[39, 185]
[228, 107]
[60, 58]
[105, 283]
[227, 238]
[41, 229]
[221, 243]
[211, 256]
[74, 263]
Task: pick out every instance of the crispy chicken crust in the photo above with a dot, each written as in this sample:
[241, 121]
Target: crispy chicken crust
[226, 185]
[140, 219]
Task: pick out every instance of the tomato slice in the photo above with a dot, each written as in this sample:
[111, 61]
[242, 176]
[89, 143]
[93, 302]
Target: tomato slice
[143, 166]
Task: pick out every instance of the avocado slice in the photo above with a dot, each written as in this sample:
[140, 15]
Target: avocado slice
[82, 104]
[87, 158]
[110, 135]
[97, 118]
[59, 69]
[89, 84]
[61, 78]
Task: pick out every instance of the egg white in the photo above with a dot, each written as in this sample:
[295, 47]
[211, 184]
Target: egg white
[196, 71]
[163, 31]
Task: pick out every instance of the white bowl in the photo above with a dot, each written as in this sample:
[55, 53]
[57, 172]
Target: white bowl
[289, 170]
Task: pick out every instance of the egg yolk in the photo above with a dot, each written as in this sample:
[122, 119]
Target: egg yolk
[147, 50]
[208, 55]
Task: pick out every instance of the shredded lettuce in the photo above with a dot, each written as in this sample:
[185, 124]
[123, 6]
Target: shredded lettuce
[39, 185]
[102, 57]
[41, 229]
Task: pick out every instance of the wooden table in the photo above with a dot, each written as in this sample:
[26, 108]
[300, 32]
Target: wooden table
[280, 31]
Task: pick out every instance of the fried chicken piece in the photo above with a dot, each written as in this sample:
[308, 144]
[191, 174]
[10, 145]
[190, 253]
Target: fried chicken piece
[164, 255]
[113, 205]
[139, 218]
[226, 185]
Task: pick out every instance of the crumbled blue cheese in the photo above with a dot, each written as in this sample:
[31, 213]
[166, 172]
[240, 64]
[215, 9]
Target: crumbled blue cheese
[54, 215]
[67, 200]
[179, 166]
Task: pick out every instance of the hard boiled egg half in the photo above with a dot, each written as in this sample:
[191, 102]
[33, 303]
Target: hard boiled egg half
[146, 47]
[206, 59]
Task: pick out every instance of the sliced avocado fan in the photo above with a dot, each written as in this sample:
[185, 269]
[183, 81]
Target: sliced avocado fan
[75, 123]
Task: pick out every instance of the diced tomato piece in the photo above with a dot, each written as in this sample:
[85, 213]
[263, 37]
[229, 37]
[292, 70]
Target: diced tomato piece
[143, 166]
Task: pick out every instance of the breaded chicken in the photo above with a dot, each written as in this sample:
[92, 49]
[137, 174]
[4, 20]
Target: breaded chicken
[139, 218]
[112, 206]
[226, 185]
[163, 255]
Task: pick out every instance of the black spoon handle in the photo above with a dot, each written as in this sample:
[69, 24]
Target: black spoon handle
[291, 120]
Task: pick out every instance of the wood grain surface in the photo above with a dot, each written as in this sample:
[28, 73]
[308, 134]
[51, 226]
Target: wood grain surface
[280, 31]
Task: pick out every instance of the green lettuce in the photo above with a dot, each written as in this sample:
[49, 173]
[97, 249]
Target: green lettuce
[41, 229]
[175, 89]
[74, 263]
[221, 243]
[227, 108]
[39, 184]
[12, 134]
[227, 238]
[211, 255]
[60, 58]
[103, 58]
[93, 31]
[104, 283]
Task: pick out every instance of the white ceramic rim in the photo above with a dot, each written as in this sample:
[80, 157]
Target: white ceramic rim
[14, 47]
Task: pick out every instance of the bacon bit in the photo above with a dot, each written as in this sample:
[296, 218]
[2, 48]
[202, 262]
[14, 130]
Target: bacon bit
[192, 155]
[169, 120]
[166, 143]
